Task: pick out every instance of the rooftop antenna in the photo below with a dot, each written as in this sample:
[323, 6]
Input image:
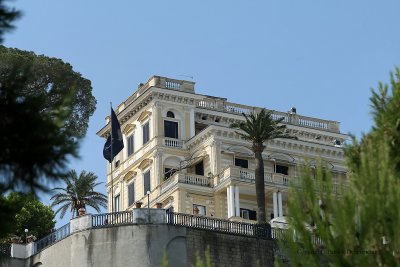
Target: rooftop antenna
[187, 76]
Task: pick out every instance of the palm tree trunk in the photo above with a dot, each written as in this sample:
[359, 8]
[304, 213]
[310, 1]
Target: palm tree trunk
[259, 180]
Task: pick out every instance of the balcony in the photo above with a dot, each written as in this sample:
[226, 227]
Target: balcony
[174, 180]
[246, 175]
[288, 118]
[172, 142]
[186, 178]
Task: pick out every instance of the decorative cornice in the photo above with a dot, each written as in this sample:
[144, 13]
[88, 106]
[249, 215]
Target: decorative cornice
[144, 115]
[132, 109]
[145, 163]
[288, 146]
[128, 128]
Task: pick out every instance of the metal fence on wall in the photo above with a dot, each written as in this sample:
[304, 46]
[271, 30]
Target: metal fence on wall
[112, 219]
[52, 238]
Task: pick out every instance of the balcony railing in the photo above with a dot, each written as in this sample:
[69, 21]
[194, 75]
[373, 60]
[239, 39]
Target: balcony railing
[112, 219]
[220, 105]
[239, 173]
[52, 238]
[220, 225]
[172, 142]
[186, 178]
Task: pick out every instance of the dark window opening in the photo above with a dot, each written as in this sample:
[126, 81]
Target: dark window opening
[248, 214]
[131, 194]
[168, 172]
[130, 145]
[117, 163]
[146, 182]
[116, 203]
[244, 163]
[282, 169]
[199, 168]
[146, 133]
[171, 129]
[170, 114]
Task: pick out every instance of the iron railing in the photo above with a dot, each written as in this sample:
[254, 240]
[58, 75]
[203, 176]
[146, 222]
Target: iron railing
[220, 225]
[52, 238]
[5, 249]
[257, 230]
[112, 219]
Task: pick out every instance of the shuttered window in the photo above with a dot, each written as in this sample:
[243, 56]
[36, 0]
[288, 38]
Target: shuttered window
[146, 182]
[131, 194]
[146, 133]
[171, 129]
[131, 147]
[116, 203]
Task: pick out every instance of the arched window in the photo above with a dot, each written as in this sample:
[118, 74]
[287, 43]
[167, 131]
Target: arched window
[170, 114]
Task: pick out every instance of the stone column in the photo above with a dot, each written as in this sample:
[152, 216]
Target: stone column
[280, 210]
[228, 204]
[157, 155]
[231, 200]
[237, 202]
[156, 114]
[275, 204]
[215, 154]
[192, 120]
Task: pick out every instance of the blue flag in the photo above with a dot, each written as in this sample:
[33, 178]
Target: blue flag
[114, 143]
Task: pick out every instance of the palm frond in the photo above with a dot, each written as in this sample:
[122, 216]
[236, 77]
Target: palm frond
[78, 192]
[261, 127]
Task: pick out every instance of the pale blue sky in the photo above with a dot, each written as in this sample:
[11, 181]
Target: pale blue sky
[319, 56]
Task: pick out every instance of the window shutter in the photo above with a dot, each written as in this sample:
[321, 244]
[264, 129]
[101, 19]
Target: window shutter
[146, 182]
[131, 194]
[146, 133]
[130, 145]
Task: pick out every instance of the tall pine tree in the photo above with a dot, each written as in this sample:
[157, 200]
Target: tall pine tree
[360, 226]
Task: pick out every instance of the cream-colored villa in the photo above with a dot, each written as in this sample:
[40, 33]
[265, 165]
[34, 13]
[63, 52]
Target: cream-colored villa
[179, 147]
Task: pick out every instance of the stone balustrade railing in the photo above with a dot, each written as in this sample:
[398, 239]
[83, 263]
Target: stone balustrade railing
[235, 172]
[172, 142]
[186, 178]
[289, 118]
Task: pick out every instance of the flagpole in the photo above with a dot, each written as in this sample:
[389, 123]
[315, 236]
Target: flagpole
[112, 161]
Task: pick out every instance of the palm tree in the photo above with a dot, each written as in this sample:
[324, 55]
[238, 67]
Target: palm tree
[78, 193]
[258, 129]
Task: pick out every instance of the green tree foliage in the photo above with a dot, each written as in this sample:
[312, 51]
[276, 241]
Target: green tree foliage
[9, 207]
[28, 213]
[54, 80]
[259, 128]
[34, 216]
[360, 227]
[35, 141]
[78, 193]
[46, 108]
[7, 17]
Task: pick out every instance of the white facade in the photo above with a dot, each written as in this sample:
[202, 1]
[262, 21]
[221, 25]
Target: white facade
[198, 128]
